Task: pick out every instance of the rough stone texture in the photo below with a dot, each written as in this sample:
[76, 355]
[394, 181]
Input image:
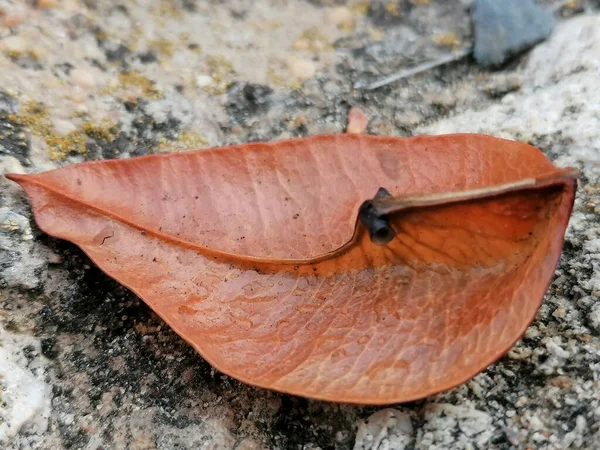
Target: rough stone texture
[504, 29]
[386, 429]
[85, 364]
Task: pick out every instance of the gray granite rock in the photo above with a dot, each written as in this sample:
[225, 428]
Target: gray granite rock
[506, 28]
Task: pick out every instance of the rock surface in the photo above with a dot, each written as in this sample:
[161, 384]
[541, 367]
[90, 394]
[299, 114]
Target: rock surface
[85, 364]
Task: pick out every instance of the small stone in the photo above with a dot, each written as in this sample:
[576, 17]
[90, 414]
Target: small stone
[339, 15]
[443, 99]
[83, 78]
[78, 96]
[503, 84]
[63, 127]
[203, 80]
[407, 119]
[47, 3]
[341, 436]
[48, 347]
[10, 164]
[539, 437]
[535, 423]
[562, 382]
[331, 88]
[11, 20]
[301, 69]
[11, 221]
[387, 425]
[53, 258]
[302, 44]
[13, 44]
[519, 353]
[557, 350]
[446, 39]
[521, 401]
[504, 29]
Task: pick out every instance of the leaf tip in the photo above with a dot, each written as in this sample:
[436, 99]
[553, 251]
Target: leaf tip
[16, 177]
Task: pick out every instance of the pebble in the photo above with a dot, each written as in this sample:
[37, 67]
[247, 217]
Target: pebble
[83, 78]
[302, 44]
[559, 312]
[338, 15]
[63, 127]
[387, 428]
[47, 3]
[301, 69]
[562, 382]
[407, 119]
[13, 44]
[203, 80]
[505, 29]
[11, 20]
[11, 221]
[53, 258]
[10, 164]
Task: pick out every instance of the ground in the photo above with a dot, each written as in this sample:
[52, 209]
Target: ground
[85, 364]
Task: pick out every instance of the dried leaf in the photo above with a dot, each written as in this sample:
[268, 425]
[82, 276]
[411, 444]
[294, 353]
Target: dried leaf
[272, 262]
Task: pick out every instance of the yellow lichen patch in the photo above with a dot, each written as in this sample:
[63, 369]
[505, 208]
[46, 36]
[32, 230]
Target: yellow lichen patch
[281, 78]
[314, 40]
[420, 2]
[74, 142]
[35, 117]
[276, 78]
[221, 71]
[392, 8]
[106, 131]
[168, 9]
[60, 146]
[219, 65]
[147, 86]
[136, 35]
[100, 34]
[347, 26]
[360, 8]
[187, 140]
[32, 54]
[163, 47]
[376, 34]
[447, 39]
[267, 26]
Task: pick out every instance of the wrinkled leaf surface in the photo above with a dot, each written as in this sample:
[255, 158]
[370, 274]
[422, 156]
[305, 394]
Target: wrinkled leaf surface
[253, 254]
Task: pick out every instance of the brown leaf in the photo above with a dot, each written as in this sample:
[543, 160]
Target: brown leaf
[256, 254]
